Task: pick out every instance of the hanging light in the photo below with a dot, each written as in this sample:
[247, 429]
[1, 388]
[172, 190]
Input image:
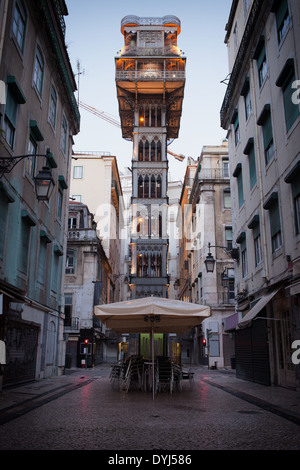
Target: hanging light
[44, 184]
[209, 262]
[225, 278]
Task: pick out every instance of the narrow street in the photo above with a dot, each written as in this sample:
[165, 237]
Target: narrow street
[81, 411]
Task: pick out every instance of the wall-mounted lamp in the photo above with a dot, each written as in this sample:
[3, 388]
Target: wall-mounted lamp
[210, 261]
[43, 182]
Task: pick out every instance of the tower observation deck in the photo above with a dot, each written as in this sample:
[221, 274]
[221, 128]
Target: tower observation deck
[150, 80]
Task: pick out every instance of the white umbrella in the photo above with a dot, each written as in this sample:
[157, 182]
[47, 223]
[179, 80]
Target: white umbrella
[152, 314]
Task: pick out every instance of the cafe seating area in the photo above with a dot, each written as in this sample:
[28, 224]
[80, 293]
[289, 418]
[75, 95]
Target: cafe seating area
[136, 373]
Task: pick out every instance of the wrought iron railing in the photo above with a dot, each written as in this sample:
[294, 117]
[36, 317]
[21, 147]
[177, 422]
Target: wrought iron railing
[134, 75]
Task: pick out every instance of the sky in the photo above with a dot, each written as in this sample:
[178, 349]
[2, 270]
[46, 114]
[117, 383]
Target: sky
[93, 39]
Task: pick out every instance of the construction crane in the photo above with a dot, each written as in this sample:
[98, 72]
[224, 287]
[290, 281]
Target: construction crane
[114, 122]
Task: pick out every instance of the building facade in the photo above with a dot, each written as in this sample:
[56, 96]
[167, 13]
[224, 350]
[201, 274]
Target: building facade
[206, 222]
[150, 78]
[95, 181]
[261, 113]
[86, 284]
[38, 118]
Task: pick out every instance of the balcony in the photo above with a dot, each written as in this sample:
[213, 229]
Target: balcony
[149, 75]
[213, 174]
[80, 235]
[71, 324]
[170, 50]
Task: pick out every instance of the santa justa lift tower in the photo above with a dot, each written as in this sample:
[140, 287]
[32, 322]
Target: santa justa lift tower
[150, 79]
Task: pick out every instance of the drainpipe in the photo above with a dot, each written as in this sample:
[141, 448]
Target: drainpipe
[3, 28]
[263, 222]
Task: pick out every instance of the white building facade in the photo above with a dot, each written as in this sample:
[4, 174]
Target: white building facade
[261, 113]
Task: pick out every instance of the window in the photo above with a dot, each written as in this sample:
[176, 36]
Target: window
[293, 178]
[255, 227]
[236, 125]
[247, 98]
[227, 198]
[10, 118]
[228, 237]
[285, 81]
[64, 134]
[19, 24]
[68, 309]
[26, 224]
[239, 176]
[42, 261]
[76, 197]
[14, 97]
[72, 222]
[62, 185]
[30, 163]
[35, 136]
[249, 150]
[261, 57]
[225, 166]
[52, 106]
[56, 269]
[244, 260]
[257, 248]
[38, 75]
[281, 11]
[5, 199]
[59, 203]
[78, 172]
[235, 38]
[70, 262]
[272, 206]
[266, 122]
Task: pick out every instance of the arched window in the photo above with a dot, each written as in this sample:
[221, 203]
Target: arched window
[146, 186]
[158, 152]
[153, 186]
[153, 151]
[141, 151]
[146, 153]
[158, 187]
[140, 186]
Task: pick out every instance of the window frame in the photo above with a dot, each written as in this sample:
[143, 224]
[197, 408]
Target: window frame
[39, 70]
[53, 104]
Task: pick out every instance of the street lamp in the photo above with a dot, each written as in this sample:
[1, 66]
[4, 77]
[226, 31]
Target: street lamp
[210, 261]
[43, 182]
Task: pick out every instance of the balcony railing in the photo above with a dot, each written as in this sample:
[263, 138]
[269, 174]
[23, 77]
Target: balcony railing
[213, 173]
[71, 324]
[82, 234]
[151, 51]
[163, 75]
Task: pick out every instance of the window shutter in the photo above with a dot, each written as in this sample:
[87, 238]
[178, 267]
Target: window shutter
[281, 12]
[267, 130]
[291, 109]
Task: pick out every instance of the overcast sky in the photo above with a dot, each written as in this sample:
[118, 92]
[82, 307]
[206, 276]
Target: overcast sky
[93, 38]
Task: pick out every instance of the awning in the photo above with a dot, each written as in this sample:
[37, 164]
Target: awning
[263, 301]
[161, 315]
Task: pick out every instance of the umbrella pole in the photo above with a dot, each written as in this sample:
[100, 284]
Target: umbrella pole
[152, 351]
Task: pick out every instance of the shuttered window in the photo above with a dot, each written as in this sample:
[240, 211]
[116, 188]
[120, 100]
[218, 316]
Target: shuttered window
[285, 82]
[282, 18]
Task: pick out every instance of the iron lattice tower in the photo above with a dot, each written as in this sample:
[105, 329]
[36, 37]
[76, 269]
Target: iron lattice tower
[150, 79]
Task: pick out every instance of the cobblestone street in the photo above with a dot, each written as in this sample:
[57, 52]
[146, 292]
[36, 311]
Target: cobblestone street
[81, 411]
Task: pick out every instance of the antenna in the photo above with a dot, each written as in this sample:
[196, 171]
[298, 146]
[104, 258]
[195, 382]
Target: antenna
[79, 72]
